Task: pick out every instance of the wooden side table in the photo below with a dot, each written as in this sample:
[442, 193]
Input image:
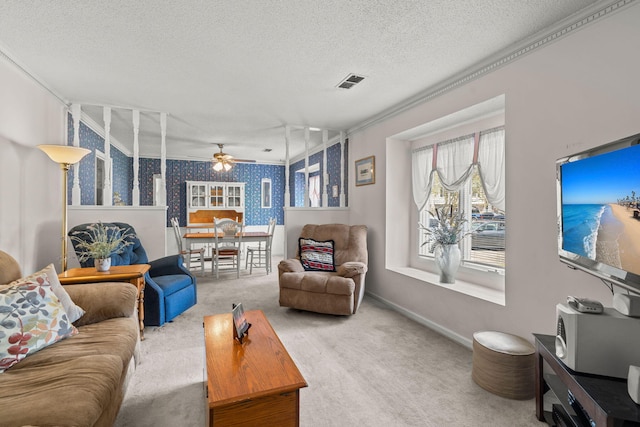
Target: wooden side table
[133, 274]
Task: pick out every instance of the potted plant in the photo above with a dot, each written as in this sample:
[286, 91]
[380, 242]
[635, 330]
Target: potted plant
[99, 241]
[443, 238]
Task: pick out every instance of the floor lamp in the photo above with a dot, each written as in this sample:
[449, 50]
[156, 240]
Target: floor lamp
[65, 155]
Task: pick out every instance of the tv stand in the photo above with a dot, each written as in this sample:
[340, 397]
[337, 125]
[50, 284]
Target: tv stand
[576, 399]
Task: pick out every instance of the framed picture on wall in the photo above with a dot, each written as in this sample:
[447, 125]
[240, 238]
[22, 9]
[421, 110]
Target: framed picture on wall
[365, 171]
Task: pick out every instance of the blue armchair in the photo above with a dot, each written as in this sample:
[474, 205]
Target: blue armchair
[170, 288]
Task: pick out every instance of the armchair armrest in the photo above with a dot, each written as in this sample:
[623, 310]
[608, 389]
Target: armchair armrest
[172, 264]
[291, 265]
[351, 269]
[102, 301]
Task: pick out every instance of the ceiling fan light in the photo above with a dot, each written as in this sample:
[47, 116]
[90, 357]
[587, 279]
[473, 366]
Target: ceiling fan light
[227, 166]
[217, 166]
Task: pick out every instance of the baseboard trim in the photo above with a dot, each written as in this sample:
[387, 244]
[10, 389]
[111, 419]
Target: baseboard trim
[423, 321]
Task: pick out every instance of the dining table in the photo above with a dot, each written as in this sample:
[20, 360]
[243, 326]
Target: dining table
[209, 237]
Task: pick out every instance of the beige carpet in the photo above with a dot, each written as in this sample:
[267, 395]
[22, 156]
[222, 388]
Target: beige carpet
[376, 368]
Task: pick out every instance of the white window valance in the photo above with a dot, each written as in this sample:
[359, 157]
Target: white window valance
[491, 160]
[422, 165]
[453, 161]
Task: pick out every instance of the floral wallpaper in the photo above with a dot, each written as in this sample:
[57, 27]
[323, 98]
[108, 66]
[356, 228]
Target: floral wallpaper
[335, 178]
[296, 180]
[122, 167]
[180, 171]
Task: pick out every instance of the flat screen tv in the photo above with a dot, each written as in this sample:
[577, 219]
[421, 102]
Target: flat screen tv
[599, 212]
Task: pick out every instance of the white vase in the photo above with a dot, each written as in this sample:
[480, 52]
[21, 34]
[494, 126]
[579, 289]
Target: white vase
[102, 264]
[448, 260]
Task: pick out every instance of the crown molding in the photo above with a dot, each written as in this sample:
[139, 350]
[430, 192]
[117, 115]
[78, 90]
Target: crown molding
[8, 57]
[555, 32]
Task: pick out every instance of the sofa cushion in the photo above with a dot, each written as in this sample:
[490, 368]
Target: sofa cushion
[70, 392]
[73, 311]
[319, 282]
[103, 300]
[31, 318]
[316, 255]
[116, 337]
[172, 283]
[9, 268]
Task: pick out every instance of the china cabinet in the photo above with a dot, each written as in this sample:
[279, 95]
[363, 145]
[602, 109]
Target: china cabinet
[205, 196]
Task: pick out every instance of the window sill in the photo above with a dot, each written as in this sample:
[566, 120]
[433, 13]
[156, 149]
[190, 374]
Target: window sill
[496, 296]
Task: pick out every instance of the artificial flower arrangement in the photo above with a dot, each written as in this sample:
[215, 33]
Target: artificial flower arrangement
[448, 230]
[99, 241]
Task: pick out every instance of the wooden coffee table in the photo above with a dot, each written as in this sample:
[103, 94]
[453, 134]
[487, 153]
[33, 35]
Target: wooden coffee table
[133, 274]
[254, 383]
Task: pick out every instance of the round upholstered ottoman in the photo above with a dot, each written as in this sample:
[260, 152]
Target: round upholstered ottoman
[504, 364]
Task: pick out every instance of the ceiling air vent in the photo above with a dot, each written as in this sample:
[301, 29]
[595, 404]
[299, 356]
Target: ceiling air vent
[350, 81]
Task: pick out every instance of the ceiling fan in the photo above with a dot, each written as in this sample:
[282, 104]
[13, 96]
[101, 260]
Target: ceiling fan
[224, 162]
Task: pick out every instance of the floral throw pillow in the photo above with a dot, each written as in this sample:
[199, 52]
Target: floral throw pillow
[74, 312]
[316, 256]
[31, 318]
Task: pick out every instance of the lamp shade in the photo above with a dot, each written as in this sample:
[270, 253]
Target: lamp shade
[222, 165]
[64, 154]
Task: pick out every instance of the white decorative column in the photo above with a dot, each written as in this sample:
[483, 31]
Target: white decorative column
[287, 192]
[76, 196]
[325, 169]
[306, 167]
[107, 191]
[343, 177]
[135, 195]
[163, 160]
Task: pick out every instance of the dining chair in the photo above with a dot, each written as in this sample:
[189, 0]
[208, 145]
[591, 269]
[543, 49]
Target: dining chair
[189, 254]
[227, 244]
[260, 256]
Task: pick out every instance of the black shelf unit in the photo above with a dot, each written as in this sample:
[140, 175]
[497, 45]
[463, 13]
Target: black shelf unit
[585, 399]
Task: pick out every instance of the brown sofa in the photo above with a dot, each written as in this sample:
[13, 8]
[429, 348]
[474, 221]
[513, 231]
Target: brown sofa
[338, 292]
[80, 380]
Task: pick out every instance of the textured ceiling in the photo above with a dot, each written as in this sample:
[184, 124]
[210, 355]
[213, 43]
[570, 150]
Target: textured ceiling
[235, 72]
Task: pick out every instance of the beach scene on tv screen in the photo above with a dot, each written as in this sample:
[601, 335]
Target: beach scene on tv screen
[601, 208]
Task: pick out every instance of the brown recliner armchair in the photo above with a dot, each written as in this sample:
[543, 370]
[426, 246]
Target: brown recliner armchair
[338, 292]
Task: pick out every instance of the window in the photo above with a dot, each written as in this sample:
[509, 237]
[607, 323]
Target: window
[266, 193]
[468, 174]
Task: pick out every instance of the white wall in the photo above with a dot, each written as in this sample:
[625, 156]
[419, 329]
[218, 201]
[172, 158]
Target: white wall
[30, 183]
[296, 218]
[573, 94]
[149, 222]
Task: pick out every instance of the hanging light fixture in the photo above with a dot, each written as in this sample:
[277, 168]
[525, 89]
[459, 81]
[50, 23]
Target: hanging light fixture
[222, 161]
[220, 165]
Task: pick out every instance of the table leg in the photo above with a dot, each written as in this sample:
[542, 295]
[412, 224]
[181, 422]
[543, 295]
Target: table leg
[141, 313]
[139, 284]
[539, 391]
